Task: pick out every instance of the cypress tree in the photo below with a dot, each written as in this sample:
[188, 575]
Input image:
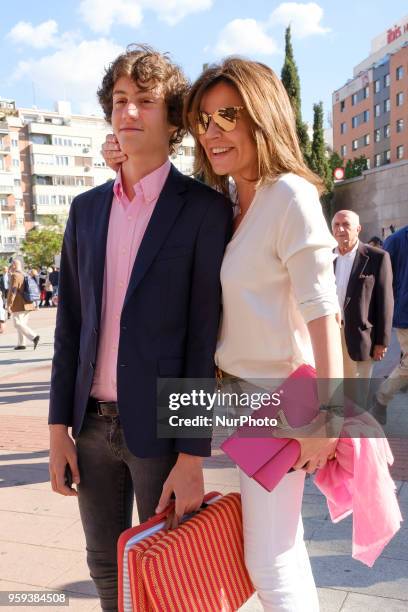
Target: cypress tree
[318, 159]
[291, 82]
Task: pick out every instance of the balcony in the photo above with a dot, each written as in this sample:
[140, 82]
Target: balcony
[8, 208]
[9, 241]
[6, 182]
[4, 149]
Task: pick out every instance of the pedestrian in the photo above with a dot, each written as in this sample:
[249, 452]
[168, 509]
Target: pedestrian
[54, 280]
[20, 307]
[124, 319]
[397, 246]
[48, 287]
[375, 241]
[364, 286]
[5, 282]
[3, 314]
[42, 277]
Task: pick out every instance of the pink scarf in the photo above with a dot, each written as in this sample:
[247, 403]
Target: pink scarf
[358, 481]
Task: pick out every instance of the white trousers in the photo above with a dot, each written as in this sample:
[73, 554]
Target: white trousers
[399, 376]
[20, 320]
[275, 551]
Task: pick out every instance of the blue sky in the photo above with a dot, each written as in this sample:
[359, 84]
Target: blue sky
[57, 50]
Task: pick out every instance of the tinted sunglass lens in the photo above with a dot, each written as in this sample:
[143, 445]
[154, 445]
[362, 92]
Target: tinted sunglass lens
[226, 118]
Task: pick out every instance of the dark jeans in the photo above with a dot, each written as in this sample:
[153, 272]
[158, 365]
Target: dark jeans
[110, 474]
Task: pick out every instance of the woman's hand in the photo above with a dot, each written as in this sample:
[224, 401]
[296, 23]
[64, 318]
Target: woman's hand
[112, 153]
[314, 453]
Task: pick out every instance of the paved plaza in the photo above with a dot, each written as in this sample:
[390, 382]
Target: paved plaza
[42, 545]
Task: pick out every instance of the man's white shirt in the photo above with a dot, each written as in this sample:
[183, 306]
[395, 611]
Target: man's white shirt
[344, 265]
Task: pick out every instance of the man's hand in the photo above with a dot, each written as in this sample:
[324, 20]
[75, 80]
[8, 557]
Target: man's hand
[112, 153]
[379, 352]
[62, 451]
[186, 481]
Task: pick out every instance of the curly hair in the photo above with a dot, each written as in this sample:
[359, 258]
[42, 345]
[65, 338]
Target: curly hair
[148, 68]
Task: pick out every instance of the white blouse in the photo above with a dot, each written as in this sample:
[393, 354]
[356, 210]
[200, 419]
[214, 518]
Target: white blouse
[277, 275]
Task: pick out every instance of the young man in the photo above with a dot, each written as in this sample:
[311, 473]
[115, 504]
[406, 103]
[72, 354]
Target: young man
[139, 297]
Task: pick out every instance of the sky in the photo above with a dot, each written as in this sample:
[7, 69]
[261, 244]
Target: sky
[58, 50]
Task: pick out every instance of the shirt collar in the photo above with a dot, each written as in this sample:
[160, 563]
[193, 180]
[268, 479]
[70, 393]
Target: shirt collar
[150, 185]
[350, 253]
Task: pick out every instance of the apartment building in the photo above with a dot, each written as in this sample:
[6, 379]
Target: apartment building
[370, 112]
[11, 199]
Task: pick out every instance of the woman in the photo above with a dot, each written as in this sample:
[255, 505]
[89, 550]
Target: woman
[279, 296]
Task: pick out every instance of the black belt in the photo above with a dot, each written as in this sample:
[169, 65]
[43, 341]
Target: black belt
[102, 408]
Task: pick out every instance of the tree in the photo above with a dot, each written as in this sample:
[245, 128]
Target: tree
[291, 82]
[319, 162]
[355, 167]
[335, 161]
[40, 247]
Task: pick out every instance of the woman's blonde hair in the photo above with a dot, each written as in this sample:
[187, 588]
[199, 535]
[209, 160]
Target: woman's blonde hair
[271, 116]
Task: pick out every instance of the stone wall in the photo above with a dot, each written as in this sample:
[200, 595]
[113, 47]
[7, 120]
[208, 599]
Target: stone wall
[379, 197]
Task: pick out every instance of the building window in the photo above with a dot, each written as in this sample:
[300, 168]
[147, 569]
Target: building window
[16, 163]
[377, 135]
[61, 199]
[366, 91]
[387, 131]
[343, 150]
[14, 143]
[368, 164]
[354, 99]
[400, 125]
[400, 98]
[366, 139]
[342, 105]
[354, 121]
[386, 80]
[343, 128]
[399, 73]
[400, 152]
[17, 183]
[387, 105]
[366, 116]
[377, 86]
[377, 160]
[377, 110]
[354, 145]
[387, 157]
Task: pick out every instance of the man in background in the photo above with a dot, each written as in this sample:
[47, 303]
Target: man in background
[20, 308]
[364, 287]
[397, 246]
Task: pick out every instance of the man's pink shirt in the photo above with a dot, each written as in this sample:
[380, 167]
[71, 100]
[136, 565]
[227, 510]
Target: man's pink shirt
[127, 224]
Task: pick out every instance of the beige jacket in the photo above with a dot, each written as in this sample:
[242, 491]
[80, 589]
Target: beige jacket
[15, 298]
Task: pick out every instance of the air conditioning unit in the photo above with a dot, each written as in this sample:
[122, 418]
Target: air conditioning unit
[87, 168]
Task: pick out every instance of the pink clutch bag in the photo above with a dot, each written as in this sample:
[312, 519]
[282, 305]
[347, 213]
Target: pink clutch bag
[267, 459]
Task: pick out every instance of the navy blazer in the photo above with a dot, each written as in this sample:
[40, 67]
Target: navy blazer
[170, 315]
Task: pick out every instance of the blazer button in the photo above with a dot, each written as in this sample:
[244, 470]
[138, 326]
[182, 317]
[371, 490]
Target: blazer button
[123, 365]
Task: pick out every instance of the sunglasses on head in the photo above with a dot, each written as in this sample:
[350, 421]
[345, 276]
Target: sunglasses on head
[225, 118]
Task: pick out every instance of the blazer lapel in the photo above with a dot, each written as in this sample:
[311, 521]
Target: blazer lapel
[360, 262]
[99, 238]
[168, 206]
